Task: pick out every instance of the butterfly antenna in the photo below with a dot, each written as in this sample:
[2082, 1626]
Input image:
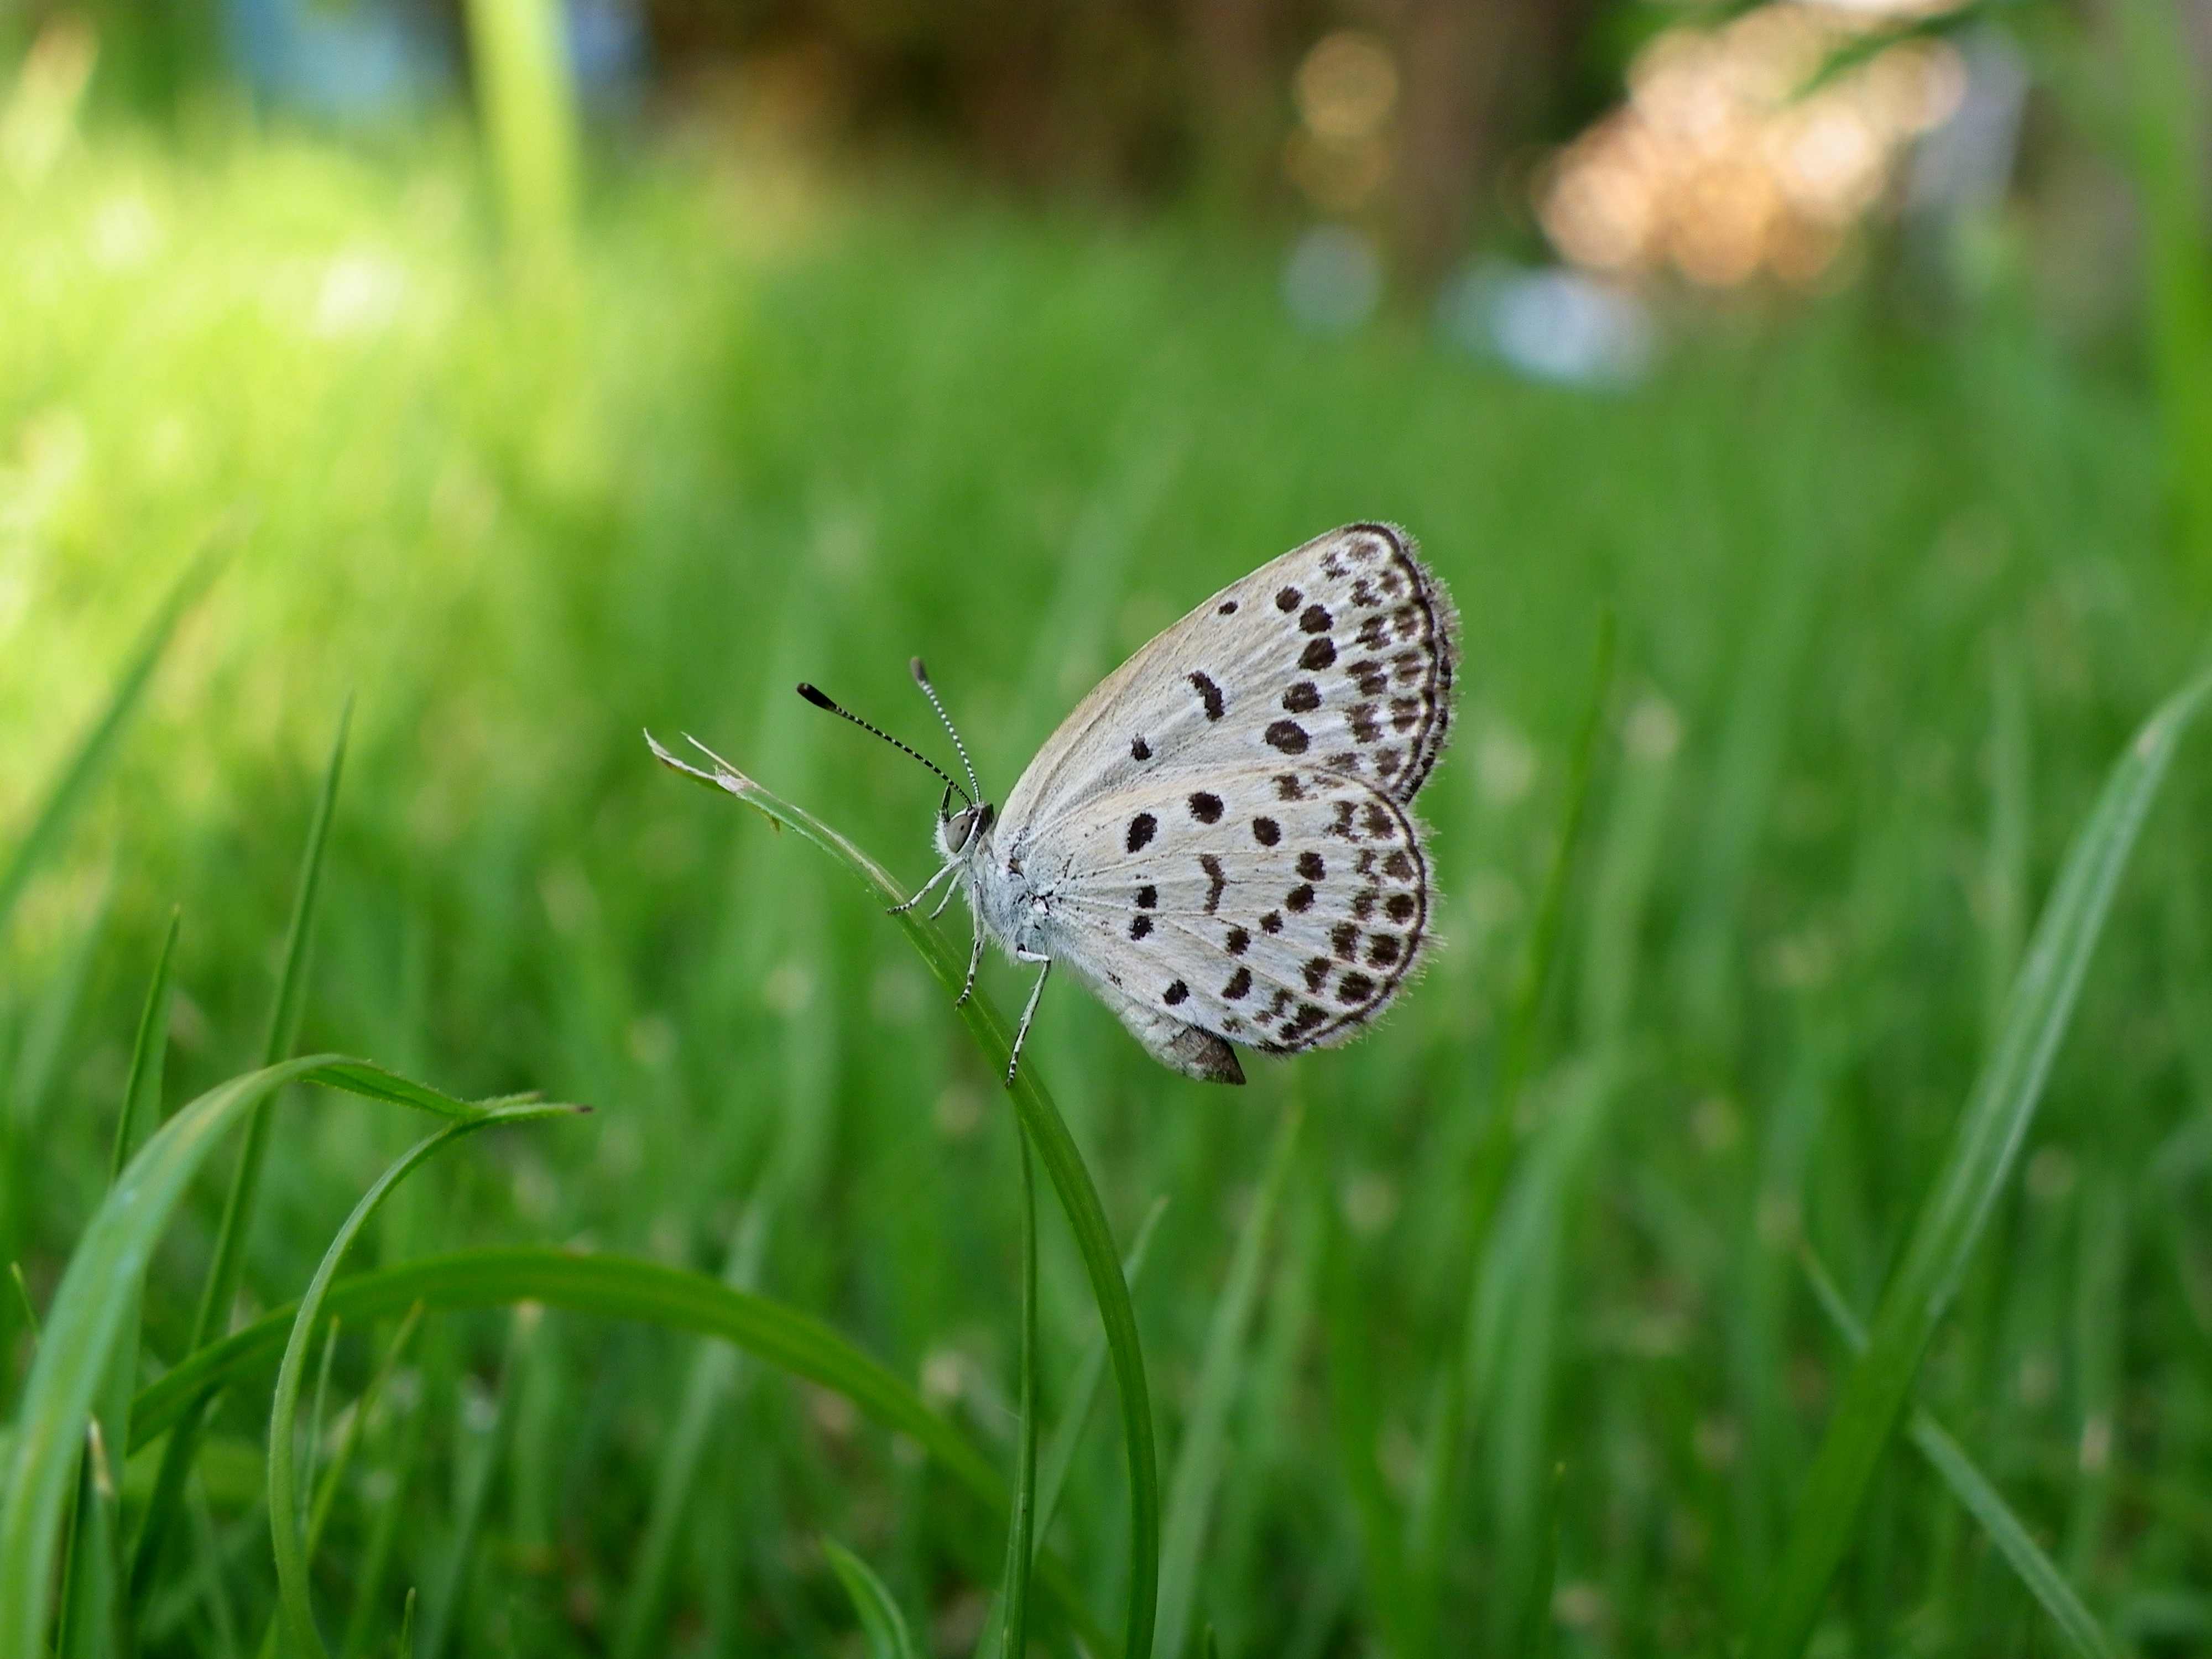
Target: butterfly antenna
[922, 679]
[821, 700]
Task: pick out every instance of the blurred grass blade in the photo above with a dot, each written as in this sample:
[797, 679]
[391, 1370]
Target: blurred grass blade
[286, 1531]
[1204, 1453]
[229, 1261]
[615, 1288]
[2166, 136]
[1995, 1119]
[90, 1607]
[527, 94]
[1071, 1180]
[46, 1038]
[83, 767]
[881, 1622]
[1433, 1506]
[1972, 1489]
[706, 1395]
[1067, 1436]
[1355, 1422]
[482, 1431]
[1014, 1586]
[86, 1322]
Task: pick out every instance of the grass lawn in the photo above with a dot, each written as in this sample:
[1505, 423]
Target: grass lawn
[1889, 601]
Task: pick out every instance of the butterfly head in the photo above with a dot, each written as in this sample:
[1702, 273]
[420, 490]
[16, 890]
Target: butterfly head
[963, 834]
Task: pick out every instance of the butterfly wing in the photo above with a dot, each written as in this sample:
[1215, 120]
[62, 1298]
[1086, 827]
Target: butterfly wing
[1339, 654]
[1280, 907]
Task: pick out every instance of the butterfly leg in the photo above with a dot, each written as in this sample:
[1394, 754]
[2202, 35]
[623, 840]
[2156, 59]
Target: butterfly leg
[1022, 1031]
[975, 961]
[922, 892]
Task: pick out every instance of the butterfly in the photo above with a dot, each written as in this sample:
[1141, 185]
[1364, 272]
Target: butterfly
[1218, 841]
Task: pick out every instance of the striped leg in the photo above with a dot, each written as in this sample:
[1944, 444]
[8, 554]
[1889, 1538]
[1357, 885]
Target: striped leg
[1022, 1031]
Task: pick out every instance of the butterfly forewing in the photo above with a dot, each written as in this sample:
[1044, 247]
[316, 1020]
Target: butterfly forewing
[1337, 656]
[1279, 906]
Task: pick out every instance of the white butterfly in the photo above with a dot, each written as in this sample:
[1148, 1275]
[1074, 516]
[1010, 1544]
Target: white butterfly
[1216, 842]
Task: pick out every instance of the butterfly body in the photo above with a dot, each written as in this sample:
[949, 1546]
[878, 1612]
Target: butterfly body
[1216, 842]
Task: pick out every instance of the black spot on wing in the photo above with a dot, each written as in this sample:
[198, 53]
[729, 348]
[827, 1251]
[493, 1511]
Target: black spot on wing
[1288, 736]
[1205, 806]
[1209, 694]
[1141, 830]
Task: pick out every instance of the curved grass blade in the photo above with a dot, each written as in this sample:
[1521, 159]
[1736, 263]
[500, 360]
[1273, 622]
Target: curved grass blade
[287, 1533]
[615, 1288]
[89, 1591]
[229, 1261]
[1990, 1130]
[1199, 1462]
[1071, 1180]
[86, 1322]
[1067, 1436]
[881, 1621]
[82, 768]
[2037, 1571]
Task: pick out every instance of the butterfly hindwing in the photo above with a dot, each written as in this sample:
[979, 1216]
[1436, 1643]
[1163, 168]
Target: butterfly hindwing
[1337, 655]
[1279, 906]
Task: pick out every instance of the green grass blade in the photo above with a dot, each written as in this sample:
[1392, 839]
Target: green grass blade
[38, 1060]
[478, 1462]
[2166, 140]
[1203, 1456]
[333, 1476]
[286, 1529]
[2049, 1586]
[1429, 1525]
[1014, 1585]
[86, 1321]
[88, 1624]
[706, 1393]
[1355, 1422]
[615, 1288]
[141, 1088]
[1063, 1162]
[1067, 1435]
[881, 1622]
[228, 1259]
[283, 1022]
[1996, 1119]
[82, 768]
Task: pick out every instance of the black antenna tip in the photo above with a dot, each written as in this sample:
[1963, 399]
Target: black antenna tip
[920, 673]
[816, 698]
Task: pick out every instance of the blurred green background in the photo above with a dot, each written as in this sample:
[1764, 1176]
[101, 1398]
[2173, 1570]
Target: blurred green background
[547, 376]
